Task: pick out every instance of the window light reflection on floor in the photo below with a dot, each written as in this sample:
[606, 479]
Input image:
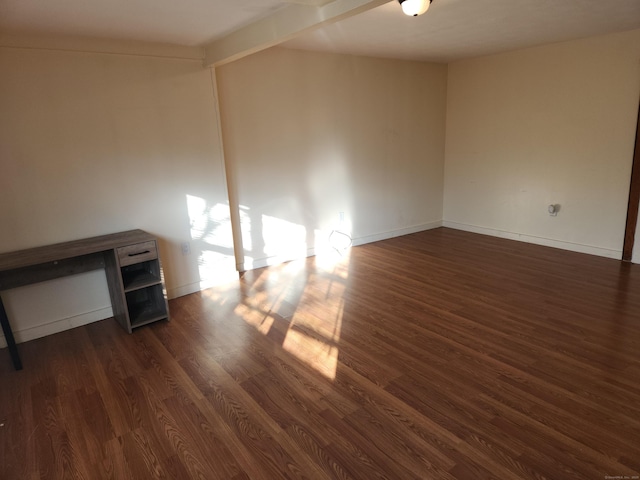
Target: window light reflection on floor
[305, 307]
[302, 308]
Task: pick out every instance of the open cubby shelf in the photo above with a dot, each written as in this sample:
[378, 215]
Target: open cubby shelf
[142, 284]
[144, 314]
[141, 275]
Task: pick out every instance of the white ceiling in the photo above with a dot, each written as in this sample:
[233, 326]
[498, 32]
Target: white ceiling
[450, 30]
[455, 29]
[180, 22]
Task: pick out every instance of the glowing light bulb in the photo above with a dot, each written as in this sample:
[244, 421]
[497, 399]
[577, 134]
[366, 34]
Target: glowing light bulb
[413, 8]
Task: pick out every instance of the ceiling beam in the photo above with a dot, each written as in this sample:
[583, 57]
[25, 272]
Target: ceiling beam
[283, 25]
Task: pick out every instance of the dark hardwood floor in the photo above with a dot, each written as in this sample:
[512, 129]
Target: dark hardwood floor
[437, 355]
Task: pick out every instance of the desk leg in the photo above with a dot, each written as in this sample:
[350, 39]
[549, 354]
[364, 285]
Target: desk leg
[8, 335]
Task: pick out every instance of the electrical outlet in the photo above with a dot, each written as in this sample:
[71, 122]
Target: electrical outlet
[341, 216]
[186, 248]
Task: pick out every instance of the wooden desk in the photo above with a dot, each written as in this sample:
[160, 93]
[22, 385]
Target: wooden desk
[132, 266]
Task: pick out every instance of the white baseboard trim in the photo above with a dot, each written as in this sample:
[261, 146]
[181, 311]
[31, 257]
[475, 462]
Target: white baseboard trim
[396, 233]
[183, 290]
[355, 241]
[269, 261]
[60, 325]
[547, 242]
[57, 326]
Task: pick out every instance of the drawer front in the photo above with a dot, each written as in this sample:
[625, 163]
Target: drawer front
[139, 252]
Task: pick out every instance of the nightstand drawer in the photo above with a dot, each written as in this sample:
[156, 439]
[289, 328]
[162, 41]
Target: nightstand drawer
[139, 252]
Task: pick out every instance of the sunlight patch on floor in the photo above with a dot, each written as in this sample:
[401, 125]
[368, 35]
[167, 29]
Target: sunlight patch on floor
[305, 305]
[316, 353]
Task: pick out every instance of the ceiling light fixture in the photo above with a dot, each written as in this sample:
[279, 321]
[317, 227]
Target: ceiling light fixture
[413, 8]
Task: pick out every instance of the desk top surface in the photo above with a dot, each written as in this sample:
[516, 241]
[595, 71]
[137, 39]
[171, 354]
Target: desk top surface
[74, 248]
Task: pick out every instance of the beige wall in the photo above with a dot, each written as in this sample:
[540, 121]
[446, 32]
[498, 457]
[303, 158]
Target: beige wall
[310, 135]
[93, 144]
[554, 124]
[96, 143]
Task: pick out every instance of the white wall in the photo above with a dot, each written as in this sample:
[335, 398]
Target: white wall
[310, 135]
[95, 143]
[553, 124]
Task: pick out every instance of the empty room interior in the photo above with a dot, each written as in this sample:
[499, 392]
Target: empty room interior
[320, 239]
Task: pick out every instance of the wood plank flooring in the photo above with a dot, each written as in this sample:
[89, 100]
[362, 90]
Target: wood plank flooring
[437, 355]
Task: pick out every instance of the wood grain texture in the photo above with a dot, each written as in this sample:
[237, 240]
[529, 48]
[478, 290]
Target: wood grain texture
[438, 355]
[146, 303]
[73, 248]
